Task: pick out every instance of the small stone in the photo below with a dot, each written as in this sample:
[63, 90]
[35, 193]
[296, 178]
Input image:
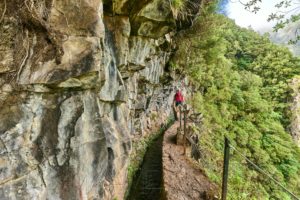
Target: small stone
[7, 88]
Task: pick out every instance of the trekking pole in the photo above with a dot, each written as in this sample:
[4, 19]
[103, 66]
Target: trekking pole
[180, 116]
[184, 127]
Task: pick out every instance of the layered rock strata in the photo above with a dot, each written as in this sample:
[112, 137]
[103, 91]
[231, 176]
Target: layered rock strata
[79, 79]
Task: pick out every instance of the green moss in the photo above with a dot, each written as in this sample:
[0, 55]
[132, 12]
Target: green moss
[153, 116]
[178, 8]
[178, 4]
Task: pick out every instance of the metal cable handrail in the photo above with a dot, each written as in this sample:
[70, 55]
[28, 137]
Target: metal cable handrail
[264, 172]
[226, 157]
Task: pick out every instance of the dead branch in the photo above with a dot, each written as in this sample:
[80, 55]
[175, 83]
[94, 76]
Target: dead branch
[66, 19]
[25, 57]
[120, 77]
[4, 11]
[35, 14]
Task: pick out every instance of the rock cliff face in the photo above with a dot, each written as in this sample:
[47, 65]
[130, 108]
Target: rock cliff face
[79, 79]
[295, 110]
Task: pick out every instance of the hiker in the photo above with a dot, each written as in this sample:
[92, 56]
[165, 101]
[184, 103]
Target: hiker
[178, 101]
[178, 98]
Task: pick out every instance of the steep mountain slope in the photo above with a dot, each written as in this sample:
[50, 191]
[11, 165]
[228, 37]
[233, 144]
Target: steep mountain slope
[242, 87]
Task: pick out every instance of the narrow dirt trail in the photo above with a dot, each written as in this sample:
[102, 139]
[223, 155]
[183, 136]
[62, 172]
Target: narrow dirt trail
[182, 181]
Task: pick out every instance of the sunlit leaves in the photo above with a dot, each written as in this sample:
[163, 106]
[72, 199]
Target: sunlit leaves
[241, 81]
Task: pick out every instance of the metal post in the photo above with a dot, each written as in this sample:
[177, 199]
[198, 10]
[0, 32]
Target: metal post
[184, 126]
[225, 169]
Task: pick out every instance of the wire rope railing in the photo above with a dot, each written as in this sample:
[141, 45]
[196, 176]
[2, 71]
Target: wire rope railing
[227, 146]
[260, 170]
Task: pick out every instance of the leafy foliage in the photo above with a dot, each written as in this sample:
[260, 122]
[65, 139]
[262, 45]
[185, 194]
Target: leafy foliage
[241, 86]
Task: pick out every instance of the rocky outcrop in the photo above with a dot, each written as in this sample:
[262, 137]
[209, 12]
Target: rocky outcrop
[295, 110]
[79, 80]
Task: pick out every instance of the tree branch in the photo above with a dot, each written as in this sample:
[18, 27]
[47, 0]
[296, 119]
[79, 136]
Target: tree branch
[25, 58]
[4, 11]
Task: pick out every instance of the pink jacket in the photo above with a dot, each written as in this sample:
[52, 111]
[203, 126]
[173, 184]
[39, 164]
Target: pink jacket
[178, 97]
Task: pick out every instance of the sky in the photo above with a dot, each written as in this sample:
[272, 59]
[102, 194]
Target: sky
[244, 18]
[236, 11]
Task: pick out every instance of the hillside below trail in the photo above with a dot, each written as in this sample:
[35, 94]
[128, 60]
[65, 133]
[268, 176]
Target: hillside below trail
[181, 178]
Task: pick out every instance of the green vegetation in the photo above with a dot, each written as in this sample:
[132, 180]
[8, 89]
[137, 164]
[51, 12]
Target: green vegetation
[178, 7]
[241, 82]
[177, 4]
[139, 149]
[184, 9]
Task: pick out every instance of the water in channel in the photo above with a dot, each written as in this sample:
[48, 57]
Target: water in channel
[147, 183]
